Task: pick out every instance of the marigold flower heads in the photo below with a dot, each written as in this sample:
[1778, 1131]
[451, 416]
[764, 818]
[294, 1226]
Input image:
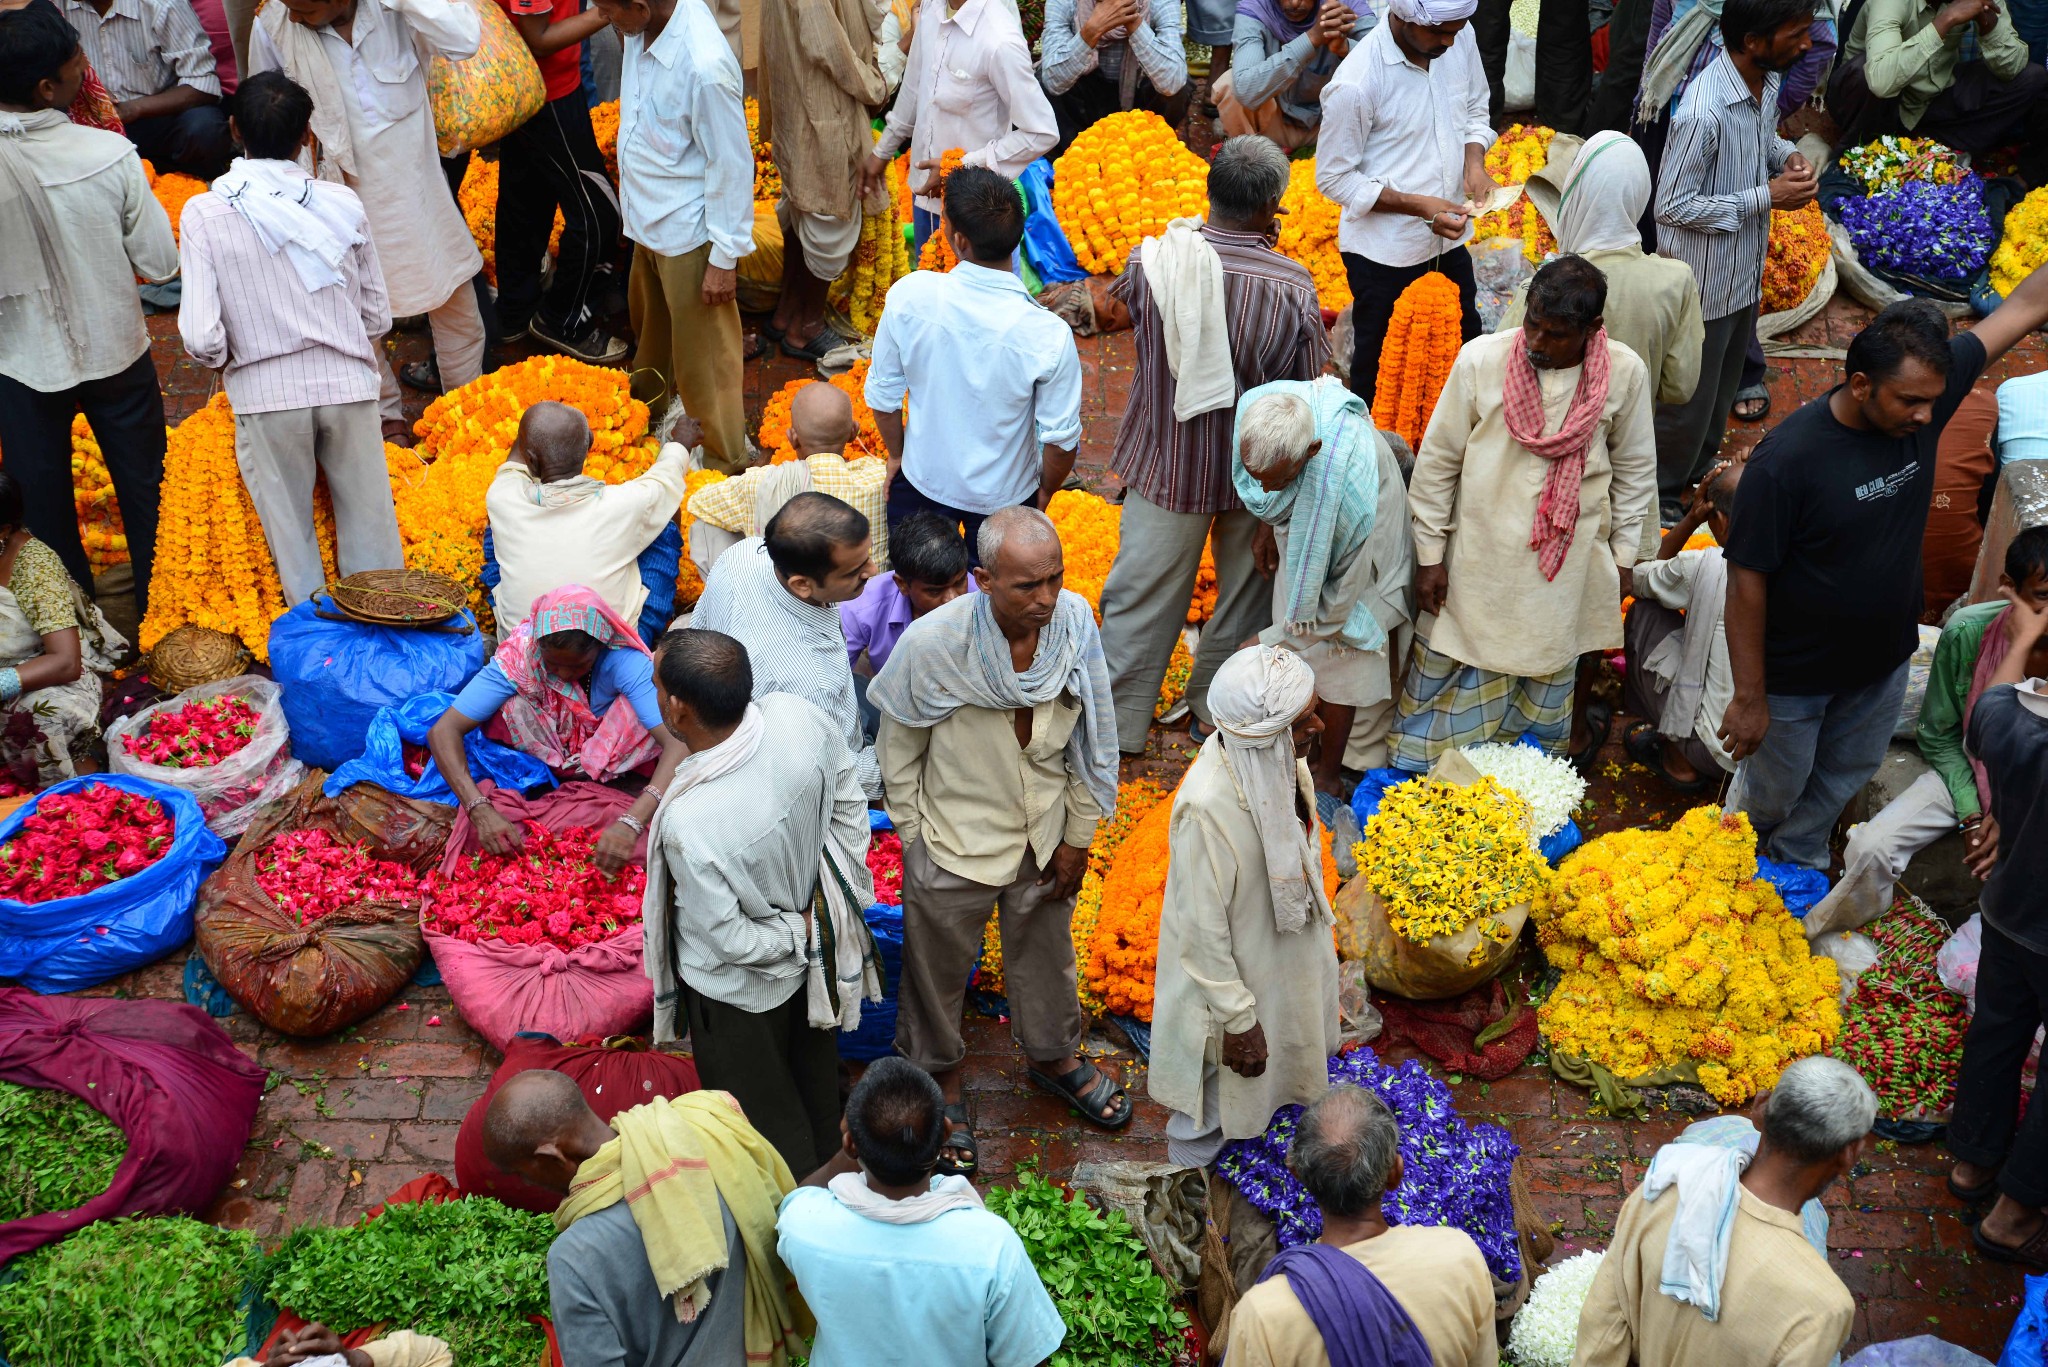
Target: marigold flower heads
[1308, 234]
[1799, 252]
[1518, 153]
[604, 126]
[478, 199]
[92, 494]
[1090, 530]
[880, 258]
[1441, 855]
[773, 436]
[1121, 181]
[172, 189]
[767, 178]
[2025, 243]
[1422, 340]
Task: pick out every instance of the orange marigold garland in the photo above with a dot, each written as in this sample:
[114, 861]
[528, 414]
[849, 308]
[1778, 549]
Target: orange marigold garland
[938, 252]
[1422, 340]
[92, 494]
[689, 583]
[172, 189]
[773, 436]
[1799, 252]
[604, 126]
[880, 258]
[478, 198]
[1308, 234]
[1090, 529]
[1121, 181]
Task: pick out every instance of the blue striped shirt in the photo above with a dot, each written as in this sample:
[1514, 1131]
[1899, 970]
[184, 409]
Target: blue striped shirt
[1713, 193]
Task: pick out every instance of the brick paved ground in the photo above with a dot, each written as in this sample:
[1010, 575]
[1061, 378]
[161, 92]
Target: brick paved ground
[350, 1118]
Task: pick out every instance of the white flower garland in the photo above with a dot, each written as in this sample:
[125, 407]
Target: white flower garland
[1551, 786]
[1545, 1332]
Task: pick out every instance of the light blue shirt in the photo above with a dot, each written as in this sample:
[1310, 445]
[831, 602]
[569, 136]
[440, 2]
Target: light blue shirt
[996, 377]
[686, 169]
[958, 1289]
[2023, 418]
[621, 673]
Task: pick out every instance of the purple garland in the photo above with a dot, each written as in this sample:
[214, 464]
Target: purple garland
[1920, 228]
[1456, 1174]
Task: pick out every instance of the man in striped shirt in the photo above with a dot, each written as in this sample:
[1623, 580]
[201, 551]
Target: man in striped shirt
[1725, 169]
[157, 63]
[1176, 474]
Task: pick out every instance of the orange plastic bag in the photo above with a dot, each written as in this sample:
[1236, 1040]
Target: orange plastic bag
[480, 99]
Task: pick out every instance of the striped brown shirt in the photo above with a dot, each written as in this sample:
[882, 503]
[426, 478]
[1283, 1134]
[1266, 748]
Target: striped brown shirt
[1276, 333]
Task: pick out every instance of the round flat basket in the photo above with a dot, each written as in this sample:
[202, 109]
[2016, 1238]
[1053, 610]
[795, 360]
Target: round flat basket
[195, 655]
[396, 598]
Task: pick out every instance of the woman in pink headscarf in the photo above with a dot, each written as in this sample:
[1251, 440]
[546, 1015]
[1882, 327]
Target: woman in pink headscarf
[573, 686]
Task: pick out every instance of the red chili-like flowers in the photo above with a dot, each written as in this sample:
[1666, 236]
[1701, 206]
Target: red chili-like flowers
[80, 841]
[195, 736]
[885, 862]
[311, 874]
[417, 758]
[550, 892]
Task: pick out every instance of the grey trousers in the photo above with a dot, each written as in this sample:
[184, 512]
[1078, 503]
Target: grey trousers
[1689, 434]
[1145, 605]
[943, 915]
[278, 454]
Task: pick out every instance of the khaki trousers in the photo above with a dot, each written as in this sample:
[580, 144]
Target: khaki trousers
[943, 916]
[280, 453]
[689, 351]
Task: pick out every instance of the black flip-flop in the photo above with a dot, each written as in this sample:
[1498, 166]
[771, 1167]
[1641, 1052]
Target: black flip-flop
[1600, 722]
[1641, 744]
[2031, 1254]
[1090, 1102]
[960, 1138]
[1751, 395]
[1970, 1196]
[818, 348]
[424, 376]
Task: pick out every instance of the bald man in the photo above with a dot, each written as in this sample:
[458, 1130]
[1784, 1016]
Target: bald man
[552, 525]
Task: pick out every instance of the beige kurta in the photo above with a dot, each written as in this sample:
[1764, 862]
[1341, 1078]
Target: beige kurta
[1474, 496]
[1781, 1303]
[1653, 309]
[820, 84]
[1437, 1274]
[1223, 966]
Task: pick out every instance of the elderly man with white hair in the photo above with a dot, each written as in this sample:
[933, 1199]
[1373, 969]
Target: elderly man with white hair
[1327, 491]
[1721, 1255]
[998, 754]
[1245, 1006]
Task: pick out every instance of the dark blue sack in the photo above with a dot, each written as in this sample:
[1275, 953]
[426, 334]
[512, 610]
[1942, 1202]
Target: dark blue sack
[78, 942]
[1802, 888]
[1045, 242]
[337, 676]
[383, 759]
[2027, 1345]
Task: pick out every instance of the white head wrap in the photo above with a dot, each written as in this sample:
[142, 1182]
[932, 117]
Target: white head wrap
[1254, 700]
[1430, 13]
[1599, 195]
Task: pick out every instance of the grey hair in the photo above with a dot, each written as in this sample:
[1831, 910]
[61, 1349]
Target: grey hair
[1820, 1106]
[996, 528]
[1274, 431]
[1249, 172]
[1344, 1149]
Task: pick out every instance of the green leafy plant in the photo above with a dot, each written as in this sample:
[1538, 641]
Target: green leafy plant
[469, 1272]
[1118, 1311]
[128, 1293]
[56, 1152]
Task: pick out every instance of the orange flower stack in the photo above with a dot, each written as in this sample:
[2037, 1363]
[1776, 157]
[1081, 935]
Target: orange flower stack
[938, 253]
[92, 493]
[604, 126]
[1308, 234]
[773, 436]
[689, 583]
[1798, 253]
[1422, 341]
[1121, 181]
[767, 179]
[1090, 530]
[172, 189]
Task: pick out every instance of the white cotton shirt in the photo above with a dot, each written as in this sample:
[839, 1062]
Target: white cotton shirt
[1391, 125]
[686, 169]
[996, 378]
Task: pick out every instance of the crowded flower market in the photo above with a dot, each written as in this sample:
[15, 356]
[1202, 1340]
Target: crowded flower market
[536, 779]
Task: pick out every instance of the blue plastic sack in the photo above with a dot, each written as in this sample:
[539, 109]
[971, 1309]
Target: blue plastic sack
[877, 1033]
[336, 676]
[1802, 888]
[383, 759]
[78, 942]
[658, 566]
[1561, 842]
[2027, 1344]
[1045, 242]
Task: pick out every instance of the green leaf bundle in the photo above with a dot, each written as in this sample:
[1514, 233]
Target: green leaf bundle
[1118, 1311]
[128, 1293]
[56, 1152]
[468, 1271]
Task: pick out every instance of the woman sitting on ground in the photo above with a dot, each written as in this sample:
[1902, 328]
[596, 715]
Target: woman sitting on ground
[572, 686]
[54, 646]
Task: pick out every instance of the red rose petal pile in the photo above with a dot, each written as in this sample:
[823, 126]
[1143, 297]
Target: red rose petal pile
[885, 862]
[80, 841]
[550, 892]
[195, 736]
[311, 874]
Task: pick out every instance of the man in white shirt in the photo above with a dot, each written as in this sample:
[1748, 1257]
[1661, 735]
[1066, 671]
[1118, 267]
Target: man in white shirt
[686, 183]
[969, 83]
[997, 377]
[77, 225]
[1403, 155]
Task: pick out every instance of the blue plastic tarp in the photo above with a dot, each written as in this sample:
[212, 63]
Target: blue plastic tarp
[383, 759]
[336, 676]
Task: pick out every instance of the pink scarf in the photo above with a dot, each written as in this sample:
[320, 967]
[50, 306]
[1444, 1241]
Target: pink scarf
[1557, 512]
[551, 718]
[1990, 655]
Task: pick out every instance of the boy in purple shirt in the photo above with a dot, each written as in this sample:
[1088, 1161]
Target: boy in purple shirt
[929, 557]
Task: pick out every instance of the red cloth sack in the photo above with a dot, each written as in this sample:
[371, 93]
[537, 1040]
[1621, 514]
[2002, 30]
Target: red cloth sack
[593, 992]
[172, 1080]
[615, 1076]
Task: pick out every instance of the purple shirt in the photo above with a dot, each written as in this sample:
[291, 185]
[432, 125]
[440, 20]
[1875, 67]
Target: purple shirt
[874, 622]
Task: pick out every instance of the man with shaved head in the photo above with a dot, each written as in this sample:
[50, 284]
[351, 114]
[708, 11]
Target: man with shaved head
[552, 525]
[998, 751]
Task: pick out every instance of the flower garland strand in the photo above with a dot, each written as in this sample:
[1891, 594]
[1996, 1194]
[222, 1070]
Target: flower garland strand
[1090, 529]
[1121, 181]
[938, 252]
[1422, 340]
[1518, 153]
[1798, 253]
[1308, 234]
[773, 434]
[92, 495]
[1902, 1029]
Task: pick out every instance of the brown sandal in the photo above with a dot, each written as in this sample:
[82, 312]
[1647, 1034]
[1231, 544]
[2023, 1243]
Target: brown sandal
[2033, 1253]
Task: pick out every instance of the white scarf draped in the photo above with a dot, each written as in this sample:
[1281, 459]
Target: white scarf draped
[1185, 276]
[947, 1193]
[315, 231]
[1254, 700]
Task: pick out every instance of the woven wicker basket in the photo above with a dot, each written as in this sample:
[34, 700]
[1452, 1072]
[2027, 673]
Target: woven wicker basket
[396, 598]
[194, 655]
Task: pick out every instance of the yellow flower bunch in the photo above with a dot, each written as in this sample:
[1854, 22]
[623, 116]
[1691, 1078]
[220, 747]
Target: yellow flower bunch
[767, 179]
[92, 494]
[1090, 530]
[1518, 153]
[1121, 181]
[1673, 951]
[1798, 253]
[479, 200]
[1179, 666]
[2025, 244]
[689, 583]
[1308, 234]
[1443, 855]
[880, 258]
[604, 126]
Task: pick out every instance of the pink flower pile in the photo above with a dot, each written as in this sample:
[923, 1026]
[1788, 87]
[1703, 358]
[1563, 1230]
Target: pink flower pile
[310, 874]
[885, 862]
[196, 736]
[80, 841]
[550, 892]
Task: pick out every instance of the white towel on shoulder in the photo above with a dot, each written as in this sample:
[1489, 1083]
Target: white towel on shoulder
[1186, 279]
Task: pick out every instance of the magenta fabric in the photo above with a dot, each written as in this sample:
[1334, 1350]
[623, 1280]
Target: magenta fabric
[163, 1071]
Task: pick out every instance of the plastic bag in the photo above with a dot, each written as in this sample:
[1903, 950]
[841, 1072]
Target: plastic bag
[2027, 1344]
[590, 993]
[1499, 269]
[228, 792]
[1956, 962]
[77, 942]
[1922, 1350]
[1166, 1205]
[336, 675]
[1918, 666]
[876, 1034]
[1853, 952]
[167, 1075]
[614, 1076]
[318, 978]
[1444, 967]
[1800, 887]
[1773, 325]
[1359, 1020]
[1045, 242]
[382, 761]
[481, 98]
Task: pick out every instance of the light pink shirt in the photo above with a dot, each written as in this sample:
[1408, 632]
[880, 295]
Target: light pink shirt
[283, 345]
[969, 83]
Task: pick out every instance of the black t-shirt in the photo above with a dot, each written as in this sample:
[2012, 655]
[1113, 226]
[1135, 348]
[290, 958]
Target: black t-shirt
[2013, 743]
[1835, 517]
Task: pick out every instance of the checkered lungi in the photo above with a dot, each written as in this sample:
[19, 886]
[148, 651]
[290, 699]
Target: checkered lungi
[1445, 703]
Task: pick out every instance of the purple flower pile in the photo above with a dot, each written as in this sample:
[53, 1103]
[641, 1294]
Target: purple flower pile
[1920, 228]
[1454, 1173]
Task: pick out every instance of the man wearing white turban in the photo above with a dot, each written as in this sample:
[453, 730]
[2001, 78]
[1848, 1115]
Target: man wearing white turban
[1245, 1006]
